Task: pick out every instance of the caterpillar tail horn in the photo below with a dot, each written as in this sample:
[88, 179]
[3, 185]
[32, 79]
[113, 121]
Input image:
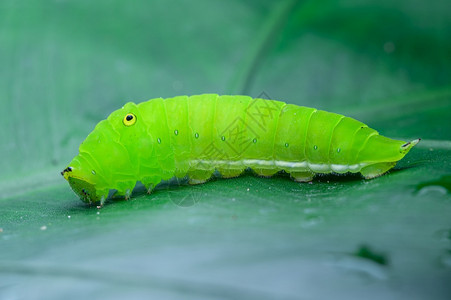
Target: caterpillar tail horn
[407, 146]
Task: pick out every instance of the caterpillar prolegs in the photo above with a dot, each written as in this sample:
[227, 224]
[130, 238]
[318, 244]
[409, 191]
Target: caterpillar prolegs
[195, 136]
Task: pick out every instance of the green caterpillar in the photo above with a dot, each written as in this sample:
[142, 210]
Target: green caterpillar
[162, 138]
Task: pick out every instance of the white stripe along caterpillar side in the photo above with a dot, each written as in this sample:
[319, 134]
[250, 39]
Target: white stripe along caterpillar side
[162, 138]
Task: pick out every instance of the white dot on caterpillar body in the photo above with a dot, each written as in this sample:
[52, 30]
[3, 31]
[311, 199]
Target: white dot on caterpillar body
[196, 135]
[338, 150]
[315, 147]
[223, 138]
[254, 140]
[176, 132]
[159, 141]
[93, 172]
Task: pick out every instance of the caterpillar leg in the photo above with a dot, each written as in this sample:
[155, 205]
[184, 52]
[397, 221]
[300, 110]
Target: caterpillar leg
[126, 194]
[230, 173]
[102, 200]
[124, 189]
[376, 170]
[199, 176]
[150, 183]
[149, 188]
[302, 176]
[265, 172]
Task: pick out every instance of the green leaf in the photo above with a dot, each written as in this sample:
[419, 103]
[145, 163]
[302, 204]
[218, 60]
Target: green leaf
[65, 65]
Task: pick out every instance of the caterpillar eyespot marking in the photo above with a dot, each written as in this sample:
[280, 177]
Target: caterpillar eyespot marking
[197, 135]
[129, 119]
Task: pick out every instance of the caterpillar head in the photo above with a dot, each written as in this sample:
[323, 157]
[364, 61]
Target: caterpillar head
[107, 158]
[81, 185]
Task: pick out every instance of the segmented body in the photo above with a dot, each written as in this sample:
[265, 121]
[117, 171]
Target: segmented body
[197, 135]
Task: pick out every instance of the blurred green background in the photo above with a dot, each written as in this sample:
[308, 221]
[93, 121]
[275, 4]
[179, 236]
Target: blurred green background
[65, 65]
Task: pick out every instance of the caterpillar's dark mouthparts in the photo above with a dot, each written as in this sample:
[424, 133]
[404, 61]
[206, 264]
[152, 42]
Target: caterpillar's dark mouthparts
[68, 169]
